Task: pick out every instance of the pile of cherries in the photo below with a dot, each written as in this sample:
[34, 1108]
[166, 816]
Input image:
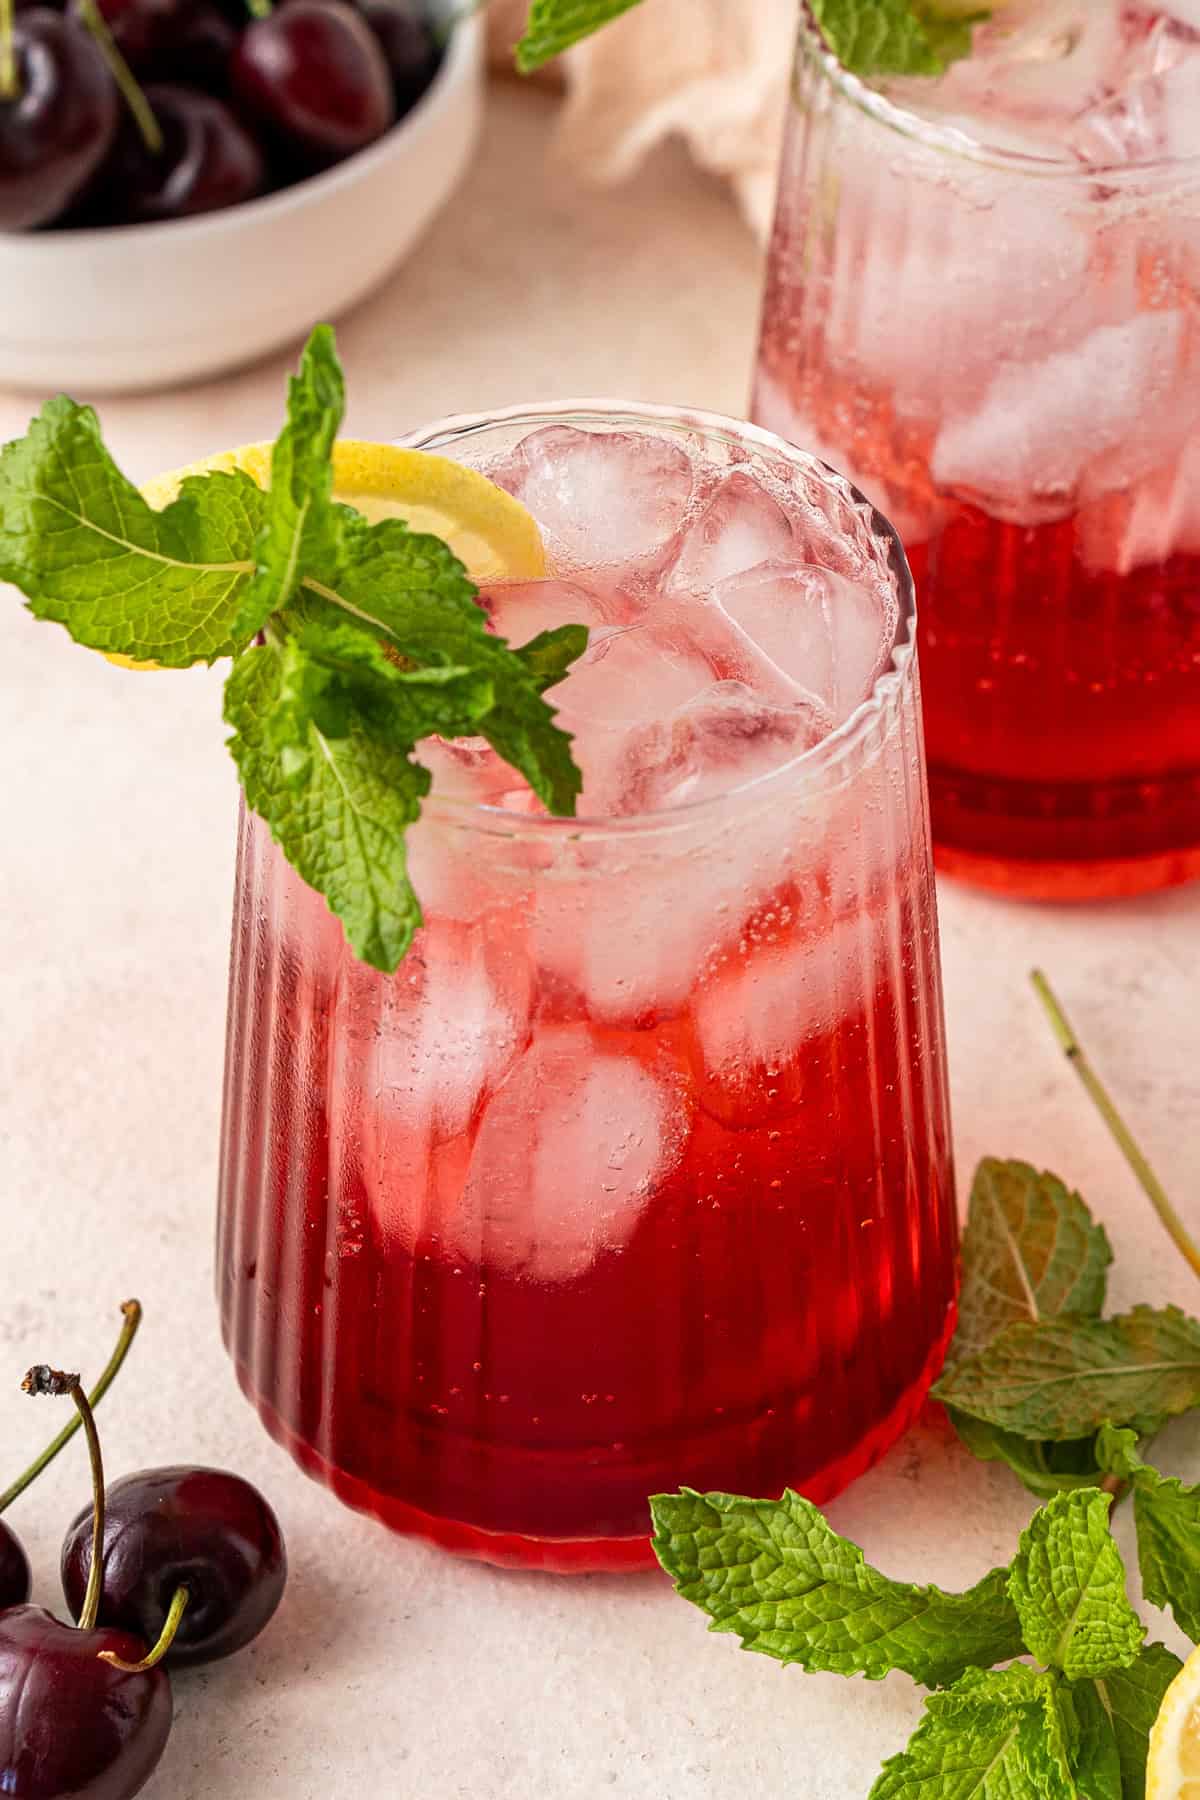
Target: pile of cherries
[191, 1569]
[127, 111]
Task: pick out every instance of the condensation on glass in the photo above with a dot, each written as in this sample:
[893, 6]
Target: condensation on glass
[637, 1172]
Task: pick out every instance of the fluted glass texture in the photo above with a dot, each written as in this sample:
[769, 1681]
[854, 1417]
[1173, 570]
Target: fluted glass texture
[637, 1172]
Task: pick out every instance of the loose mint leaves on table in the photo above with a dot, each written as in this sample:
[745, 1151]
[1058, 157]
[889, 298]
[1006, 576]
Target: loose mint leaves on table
[868, 37]
[368, 636]
[1035, 1378]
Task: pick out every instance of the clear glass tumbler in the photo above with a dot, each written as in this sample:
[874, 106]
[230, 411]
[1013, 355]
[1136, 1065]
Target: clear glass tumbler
[1002, 349]
[637, 1172]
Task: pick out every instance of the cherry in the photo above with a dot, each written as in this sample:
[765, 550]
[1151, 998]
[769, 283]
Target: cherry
[207, 160]
[166, 40]
[165, 1529]
[71, 1722]
[408, 44]
[14, 1570]
[314, 74]
[87, 1711]
[57, 124]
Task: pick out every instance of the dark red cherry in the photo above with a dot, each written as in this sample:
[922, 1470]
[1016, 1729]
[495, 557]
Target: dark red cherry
[408, 44]
[69, 1722]
[202, 1529]
[171, 40]
[14, 1571]
[208, 160]
[59, 125]
[313, 73]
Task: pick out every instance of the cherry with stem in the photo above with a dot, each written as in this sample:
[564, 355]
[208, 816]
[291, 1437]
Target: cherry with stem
[82, 1710]
[1128, 1145]
[14, 1565]
[90, 16]
[131, 1311]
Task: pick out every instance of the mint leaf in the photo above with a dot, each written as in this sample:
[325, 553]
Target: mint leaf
[339, 812]
[868, 37]
[302, 529]
[413, 590]
[1097, 1760]
[1065, 1378]
[777, 1574]
[88, 552]
[1068, 1586]
[1031, 1250]
[554, 25]
[892, 37]
[1000, 1735]
[1044, 1468]
[1131, 1697]
[549, 655]
[331, 674]
[1167, 1516]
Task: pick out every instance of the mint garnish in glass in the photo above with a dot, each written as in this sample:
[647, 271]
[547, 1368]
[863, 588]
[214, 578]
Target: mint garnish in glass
[350, 641]
[868, 37]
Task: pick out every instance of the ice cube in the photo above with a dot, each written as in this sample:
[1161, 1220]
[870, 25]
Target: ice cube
[601, 498]
[519, 610]
[722, 739]
[829, 634]
[1144, 521]
[740, 524]
[629, 674]
[755, 1021]
[448, 1027]
[1027, 449]
[1148, 120]
[568, 1154]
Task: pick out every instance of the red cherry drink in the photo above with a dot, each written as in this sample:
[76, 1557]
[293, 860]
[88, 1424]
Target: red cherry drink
[637, 1172]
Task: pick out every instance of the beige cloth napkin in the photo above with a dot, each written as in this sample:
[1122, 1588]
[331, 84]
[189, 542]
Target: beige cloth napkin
[715, 72]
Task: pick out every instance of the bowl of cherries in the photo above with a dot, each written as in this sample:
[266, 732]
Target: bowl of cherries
[162, 1571]
[186, 184]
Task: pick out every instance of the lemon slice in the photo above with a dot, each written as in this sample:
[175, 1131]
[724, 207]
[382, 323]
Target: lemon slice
[491, 533]
[1173, 1764]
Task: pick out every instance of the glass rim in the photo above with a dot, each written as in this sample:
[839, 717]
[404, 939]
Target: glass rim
[822, 763]
[952, 141]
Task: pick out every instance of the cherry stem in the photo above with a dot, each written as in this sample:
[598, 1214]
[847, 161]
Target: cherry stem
[1151, 1186]
[166, 1638]
[9, 87]
[123, 75]
[259, 9]
[42, 1379]
[133, 1318]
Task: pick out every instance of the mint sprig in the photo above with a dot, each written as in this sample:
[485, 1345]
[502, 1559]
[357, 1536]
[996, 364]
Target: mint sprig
[777, 1574]
[1167, 1516]
[1064, 1378]
[1043, 1375]
[868, 37]
[1031, 1251]
[1068, 1586]
[87, 551]
[369, 637]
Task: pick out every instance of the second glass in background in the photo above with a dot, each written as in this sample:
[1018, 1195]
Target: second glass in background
[984, 305]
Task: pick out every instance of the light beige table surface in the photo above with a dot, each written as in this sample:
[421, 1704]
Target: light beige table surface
[392, 1670]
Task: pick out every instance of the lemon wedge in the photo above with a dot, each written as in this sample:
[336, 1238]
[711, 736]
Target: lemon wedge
[493, 535]
[1173, 1764]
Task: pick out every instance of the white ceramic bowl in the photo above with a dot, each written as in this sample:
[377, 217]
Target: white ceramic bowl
[146, 306]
